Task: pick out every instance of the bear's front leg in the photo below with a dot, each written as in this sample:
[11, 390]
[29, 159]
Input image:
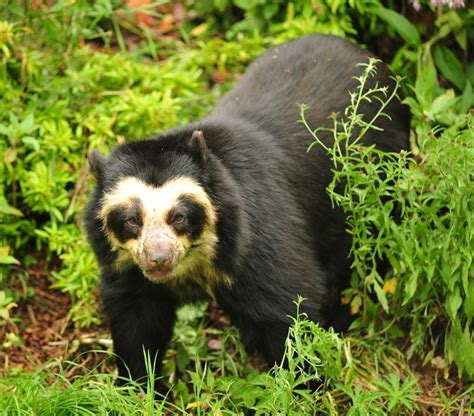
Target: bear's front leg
[141, 318]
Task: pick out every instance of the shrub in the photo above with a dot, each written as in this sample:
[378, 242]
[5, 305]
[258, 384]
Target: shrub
[428, 244]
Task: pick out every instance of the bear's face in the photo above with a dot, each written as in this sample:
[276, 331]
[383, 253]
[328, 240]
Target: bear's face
[154, 210]
[166, 230]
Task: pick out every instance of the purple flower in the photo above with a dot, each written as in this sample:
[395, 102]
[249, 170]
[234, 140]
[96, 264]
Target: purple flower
[416, 5]
[452, 4]
[456, 4]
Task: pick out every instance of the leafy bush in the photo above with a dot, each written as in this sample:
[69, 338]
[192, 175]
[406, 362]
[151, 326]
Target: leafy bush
[358, 378]
[83, 75]
[61, 113]
[429, 243]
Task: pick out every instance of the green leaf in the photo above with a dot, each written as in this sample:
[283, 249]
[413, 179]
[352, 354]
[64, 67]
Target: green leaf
[400, 24]
[467, 98]
[381, 296]
[456, 24]
[426, 79]
[57, 214]
[470, 73]
[32, 142]
[410, 287]
[460, 346]
[449, 65]
[270, 10]
[191, 311]
[453, 303]
[414, 106]
[8, 260]
[10, 155]
[8, 210]
[221, 5]
[182, 357]
[28, 124]
[246, 392]
[247, 4]
[443, 102]
[469, 301]
[6, 131]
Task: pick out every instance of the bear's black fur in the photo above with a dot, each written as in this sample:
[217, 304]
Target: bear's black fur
[278, 235]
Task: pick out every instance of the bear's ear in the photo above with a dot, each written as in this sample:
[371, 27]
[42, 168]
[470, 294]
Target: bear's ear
[97, 163]
[197, 143]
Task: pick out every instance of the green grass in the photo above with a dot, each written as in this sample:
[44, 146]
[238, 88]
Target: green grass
[84, 75]
[355, 377]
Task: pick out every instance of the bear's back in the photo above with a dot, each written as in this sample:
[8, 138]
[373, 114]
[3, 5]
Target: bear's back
[317, 71]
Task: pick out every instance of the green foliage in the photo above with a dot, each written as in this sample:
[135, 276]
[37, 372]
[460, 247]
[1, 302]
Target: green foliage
[27, 394]
[407, 30]
[358, 377]
[351, 374]
[287, 19]
[80, 75]
[418, 216]
[354, 377]
[92, 103]
[69, 23]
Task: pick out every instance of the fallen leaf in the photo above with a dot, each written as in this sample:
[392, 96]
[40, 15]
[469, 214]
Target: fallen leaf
[140, 17]
[390, 285]
[193, 405]
[166, 24]
[438, 362]
[215, 344]
[199, 30]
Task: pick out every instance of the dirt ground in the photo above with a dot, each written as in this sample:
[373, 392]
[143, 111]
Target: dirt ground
[47, 333]
[49, 337]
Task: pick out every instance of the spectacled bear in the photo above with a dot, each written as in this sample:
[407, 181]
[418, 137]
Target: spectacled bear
[233, 207]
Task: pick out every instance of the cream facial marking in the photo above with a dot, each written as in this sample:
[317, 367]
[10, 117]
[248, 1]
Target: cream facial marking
[183, 256]
[156, 201]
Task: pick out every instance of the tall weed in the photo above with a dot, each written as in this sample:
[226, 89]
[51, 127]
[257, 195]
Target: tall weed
[429, 244]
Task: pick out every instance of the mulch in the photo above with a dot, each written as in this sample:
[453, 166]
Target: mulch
[41, 330]
[45, 334]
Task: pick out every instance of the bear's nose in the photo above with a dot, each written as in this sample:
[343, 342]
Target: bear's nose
[161, 258]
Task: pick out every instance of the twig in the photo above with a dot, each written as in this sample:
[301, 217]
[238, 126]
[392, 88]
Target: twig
[105, 342]
[433, 403]
[58, 343]
[46, 295]
[31, 313]
[64, 326]
[77, 189]
[461, 409]
[382, 331]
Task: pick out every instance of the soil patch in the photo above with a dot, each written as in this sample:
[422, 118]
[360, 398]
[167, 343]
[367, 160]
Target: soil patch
[41, 330]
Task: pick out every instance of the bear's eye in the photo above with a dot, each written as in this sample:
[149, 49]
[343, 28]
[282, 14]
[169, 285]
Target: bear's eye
[178, 219]
[132, 222]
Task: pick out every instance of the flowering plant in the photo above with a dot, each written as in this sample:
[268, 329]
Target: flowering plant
[452, 4]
